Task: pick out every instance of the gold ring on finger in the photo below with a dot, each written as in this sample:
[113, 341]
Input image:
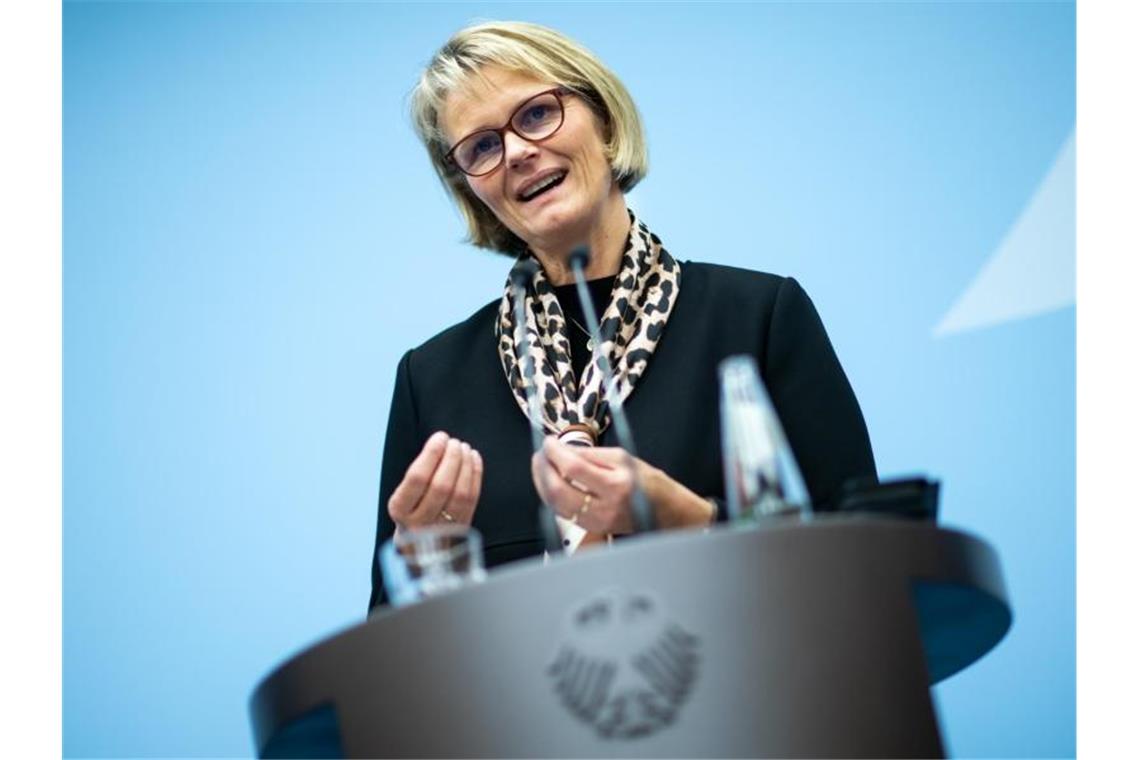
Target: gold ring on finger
[446, 515]
[582, 509]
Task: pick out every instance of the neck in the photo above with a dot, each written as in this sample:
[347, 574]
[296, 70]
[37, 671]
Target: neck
[606, 240]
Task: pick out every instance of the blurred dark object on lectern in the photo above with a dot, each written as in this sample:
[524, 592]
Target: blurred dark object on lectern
[914, 498]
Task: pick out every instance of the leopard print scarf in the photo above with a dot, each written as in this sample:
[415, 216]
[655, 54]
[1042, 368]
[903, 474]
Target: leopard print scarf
[643, 297]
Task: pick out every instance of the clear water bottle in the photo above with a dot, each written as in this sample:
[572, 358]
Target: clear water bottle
[761, 477]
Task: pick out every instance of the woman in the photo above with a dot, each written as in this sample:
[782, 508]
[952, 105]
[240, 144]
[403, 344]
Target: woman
[538, 142]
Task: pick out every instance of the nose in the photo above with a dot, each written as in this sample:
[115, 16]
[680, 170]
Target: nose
[517, 150]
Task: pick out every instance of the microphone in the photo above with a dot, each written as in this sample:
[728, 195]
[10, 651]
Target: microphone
[642, 513]
[522, 275]
[580, 258]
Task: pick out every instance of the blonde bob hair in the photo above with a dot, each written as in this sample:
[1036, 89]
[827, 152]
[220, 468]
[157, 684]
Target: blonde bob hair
[546, 55]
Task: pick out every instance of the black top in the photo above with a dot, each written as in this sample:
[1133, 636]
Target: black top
[577, 329]
[455, 382]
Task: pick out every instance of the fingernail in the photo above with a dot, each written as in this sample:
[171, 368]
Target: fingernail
[466, 447]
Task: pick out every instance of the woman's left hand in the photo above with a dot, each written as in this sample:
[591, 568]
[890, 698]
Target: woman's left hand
[595, 485]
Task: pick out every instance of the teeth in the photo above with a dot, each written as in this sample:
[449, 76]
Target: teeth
[536, 189]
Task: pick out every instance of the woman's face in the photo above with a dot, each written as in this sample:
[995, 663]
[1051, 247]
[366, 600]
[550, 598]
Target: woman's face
[562, 216]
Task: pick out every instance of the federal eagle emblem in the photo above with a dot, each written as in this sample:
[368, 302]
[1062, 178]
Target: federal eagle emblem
[623, 668]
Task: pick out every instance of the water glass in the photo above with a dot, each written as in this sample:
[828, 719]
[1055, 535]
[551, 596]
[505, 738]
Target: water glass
[429, 561]
[761, 477]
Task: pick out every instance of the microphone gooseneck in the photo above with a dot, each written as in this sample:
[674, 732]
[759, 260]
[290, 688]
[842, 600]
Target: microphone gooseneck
[642, 513]
[521, 277]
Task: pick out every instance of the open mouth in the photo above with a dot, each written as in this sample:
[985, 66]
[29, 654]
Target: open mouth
[544, 185]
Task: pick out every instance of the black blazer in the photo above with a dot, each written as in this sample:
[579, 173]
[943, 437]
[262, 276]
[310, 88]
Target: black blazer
[455, 383]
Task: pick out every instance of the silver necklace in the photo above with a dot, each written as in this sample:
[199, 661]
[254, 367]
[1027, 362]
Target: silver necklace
[589, 338]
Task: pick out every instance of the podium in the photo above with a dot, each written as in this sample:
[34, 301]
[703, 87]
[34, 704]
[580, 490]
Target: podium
[787, 639]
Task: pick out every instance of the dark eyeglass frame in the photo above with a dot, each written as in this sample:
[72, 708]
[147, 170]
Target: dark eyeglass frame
[558, 92]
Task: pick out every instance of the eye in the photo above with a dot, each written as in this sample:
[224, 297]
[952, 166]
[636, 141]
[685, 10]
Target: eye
[536, 114]
[538, 117]
[477, 148]
[481, 146]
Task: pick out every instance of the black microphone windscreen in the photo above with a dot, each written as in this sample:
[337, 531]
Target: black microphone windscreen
[523, 272]
[580, 256]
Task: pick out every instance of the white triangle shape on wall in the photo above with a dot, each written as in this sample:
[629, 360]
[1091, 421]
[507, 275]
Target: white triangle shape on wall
[1033, 270]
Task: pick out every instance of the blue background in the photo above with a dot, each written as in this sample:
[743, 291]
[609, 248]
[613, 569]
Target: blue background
[246, 209]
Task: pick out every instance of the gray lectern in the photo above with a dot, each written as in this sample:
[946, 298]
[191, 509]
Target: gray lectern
[792, 639]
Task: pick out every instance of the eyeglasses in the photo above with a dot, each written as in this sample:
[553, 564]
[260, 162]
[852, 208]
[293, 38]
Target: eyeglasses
[538, 118]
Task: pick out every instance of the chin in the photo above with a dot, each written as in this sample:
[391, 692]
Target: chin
[556, 225]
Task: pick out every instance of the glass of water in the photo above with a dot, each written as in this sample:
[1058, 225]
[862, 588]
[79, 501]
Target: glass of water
[429, 561]
[761, 477]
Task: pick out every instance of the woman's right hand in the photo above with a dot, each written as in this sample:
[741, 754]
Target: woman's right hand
[441, 485]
